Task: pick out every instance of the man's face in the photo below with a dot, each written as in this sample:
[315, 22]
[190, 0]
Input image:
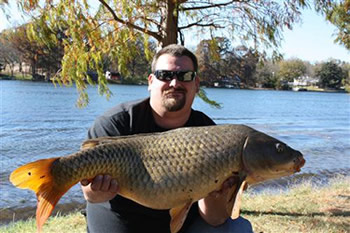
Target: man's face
[173, 95]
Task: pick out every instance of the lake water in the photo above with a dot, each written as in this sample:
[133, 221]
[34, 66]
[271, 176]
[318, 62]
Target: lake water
[40, 121]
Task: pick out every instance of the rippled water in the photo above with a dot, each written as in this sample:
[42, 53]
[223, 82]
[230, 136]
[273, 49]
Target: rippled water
[41, 121]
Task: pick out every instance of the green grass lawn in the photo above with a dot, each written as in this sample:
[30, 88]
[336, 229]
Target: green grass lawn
[302, 208]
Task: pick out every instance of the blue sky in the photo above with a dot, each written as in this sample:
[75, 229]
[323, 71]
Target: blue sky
[311, 40]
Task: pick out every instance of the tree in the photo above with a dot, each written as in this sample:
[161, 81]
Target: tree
[9, 55]
[338, 13]
[212, 63]
[248, 62]
[331, 75]
[30, 51]
[21, 49]
[217, 60]
[346, 80]
[291, 69]
[138, 66]
[103, 29]
[265, 74]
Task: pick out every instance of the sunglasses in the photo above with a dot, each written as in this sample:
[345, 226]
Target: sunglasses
[183, 76]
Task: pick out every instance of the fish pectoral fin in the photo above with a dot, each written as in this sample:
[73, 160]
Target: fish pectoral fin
[178, 215]
[238, 200]
[231, 198]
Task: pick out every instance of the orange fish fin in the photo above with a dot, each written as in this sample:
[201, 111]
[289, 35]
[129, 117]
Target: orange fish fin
[178, 216]
[32, 175]
[48, 196]
[37, 177]
[238, 200]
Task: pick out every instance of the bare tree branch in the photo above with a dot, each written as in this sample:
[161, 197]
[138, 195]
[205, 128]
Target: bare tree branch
[128, 24]
[211, 5]
[201, 25]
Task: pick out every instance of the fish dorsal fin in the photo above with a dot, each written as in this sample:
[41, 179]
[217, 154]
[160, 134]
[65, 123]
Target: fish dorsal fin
[178, 215]
[238, 200]
[91, 143]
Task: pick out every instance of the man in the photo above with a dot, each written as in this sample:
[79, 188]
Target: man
[173, 85]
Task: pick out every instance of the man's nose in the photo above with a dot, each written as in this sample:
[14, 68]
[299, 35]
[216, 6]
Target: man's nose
[174, 82]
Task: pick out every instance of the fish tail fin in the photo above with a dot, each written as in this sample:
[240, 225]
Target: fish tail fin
[37, 177]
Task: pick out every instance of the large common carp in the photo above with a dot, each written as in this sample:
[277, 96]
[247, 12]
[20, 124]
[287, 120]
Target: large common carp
[169, 170]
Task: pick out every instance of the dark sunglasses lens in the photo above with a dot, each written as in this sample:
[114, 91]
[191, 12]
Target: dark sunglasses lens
[186, 76]
[161, 75]
[164, 75]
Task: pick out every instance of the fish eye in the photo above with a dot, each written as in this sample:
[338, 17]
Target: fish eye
[279, 147]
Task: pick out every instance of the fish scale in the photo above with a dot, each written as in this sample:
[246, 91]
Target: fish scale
[168, 170]
[131, 155]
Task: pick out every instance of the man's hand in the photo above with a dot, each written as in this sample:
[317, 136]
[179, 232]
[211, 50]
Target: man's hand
[213, 207]
[101, 189]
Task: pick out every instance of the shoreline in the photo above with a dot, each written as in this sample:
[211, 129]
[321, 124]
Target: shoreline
[307, 89]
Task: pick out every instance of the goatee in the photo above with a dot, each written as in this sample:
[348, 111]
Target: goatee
[174, 99]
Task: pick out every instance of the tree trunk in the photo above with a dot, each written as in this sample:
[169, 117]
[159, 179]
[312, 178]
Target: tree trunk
[12, 67]
[33, 68]
[170, 23]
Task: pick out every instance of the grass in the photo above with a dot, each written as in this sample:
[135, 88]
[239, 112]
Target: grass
[16, 76]
[314, 88]
[302, 208]
[23, 77]
[73, 223]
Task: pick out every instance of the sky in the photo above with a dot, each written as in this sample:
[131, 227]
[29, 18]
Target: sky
[312, 40]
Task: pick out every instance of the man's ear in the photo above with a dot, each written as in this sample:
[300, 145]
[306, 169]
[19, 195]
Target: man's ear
[150, 81]
[197, 83]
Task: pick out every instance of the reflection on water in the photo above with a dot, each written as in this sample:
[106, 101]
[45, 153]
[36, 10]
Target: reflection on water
[40, 121]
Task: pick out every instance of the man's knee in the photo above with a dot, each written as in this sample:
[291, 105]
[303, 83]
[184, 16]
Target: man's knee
[101, 219]
[239, 225]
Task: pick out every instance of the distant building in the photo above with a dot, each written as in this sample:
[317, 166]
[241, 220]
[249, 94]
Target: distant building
[113, 76]
[302, 82]
[228, 82]
[305, 81]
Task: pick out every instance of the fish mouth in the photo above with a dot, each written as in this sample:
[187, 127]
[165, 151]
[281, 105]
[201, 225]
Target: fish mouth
[299, 163]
